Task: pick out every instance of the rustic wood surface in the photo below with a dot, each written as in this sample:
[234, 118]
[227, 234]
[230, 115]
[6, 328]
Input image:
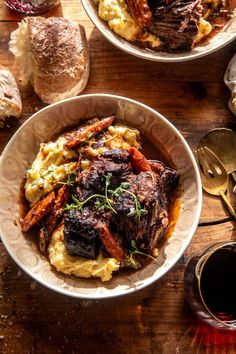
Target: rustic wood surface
[157, 319]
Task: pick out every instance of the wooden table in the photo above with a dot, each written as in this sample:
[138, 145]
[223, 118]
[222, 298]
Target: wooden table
[157, 319]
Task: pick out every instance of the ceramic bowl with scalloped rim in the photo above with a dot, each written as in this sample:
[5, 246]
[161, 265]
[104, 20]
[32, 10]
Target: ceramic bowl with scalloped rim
[21, 151]
[220, 40]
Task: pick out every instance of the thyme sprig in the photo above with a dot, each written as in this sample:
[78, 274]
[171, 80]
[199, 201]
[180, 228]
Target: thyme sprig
[130, 260]
[137, 211]
[71, 178]
[45, 176]
[102, 201]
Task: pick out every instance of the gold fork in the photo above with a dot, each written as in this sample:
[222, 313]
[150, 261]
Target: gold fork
[214, 176]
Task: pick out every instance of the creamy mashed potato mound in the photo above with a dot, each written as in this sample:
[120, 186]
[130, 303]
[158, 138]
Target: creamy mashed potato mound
[115, 12]
[81, 267]
[204, 30]
[49, 167]
[118, 137]
[51, 163]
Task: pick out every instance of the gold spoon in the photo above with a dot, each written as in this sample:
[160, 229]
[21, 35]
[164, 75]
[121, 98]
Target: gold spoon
[222, 142]
[214, 176]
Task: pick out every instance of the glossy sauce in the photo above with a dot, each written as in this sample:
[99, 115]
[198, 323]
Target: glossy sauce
[219, 19]
[151, 152]
[159, 152]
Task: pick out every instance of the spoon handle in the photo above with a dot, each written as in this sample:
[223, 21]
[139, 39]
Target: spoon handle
[227, 202]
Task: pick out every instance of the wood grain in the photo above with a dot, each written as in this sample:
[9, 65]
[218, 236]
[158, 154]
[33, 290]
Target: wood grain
[157, 319]
[154, 320]
[191, 95]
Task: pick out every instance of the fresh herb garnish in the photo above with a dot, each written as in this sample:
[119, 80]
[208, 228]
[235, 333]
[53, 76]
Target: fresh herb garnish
[90, 134]
[71, 178]
[44, 177]
[137, 211]
[105, 203]
[102, 201]
[107, 140]
[130, 260]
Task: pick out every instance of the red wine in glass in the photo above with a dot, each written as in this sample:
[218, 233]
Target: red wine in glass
[217, 284]
[209, 285]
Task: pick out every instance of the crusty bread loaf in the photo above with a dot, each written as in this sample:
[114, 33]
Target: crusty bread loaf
[10, 101]
[53, 54]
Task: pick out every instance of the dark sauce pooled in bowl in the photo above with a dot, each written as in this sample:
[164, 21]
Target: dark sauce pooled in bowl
[151, 153]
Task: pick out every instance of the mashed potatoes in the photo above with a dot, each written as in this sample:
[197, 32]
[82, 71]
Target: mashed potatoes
[79, 266]
[204, 30]
[118, 137]
[49, 167]
[119, 20]
[51, 164]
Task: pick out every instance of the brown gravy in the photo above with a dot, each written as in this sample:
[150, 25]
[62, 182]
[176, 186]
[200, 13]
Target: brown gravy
[151, 152]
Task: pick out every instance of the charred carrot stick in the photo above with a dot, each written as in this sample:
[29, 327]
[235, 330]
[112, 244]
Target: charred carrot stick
[141, 12]
[88, 132]
[35, 214]
[62, 198]
[112, 246]
[138, 161]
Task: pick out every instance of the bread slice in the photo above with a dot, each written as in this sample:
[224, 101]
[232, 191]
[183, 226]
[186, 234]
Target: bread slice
[53, 55]
[10, 101]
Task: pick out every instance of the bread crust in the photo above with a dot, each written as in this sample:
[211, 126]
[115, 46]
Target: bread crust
[61, 57]
[10, 100]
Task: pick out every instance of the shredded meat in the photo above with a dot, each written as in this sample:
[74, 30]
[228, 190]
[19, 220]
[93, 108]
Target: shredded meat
[176, 22]
[85, 229]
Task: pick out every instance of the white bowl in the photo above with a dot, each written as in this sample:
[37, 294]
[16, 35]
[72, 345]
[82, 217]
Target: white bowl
[21, 151]
[225, 36]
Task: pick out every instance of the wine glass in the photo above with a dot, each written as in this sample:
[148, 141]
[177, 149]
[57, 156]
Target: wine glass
[209, 285]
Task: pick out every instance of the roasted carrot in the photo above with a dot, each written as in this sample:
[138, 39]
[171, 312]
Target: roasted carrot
[112, 246]
[80, 136]
[35, 214]
[138, 161]
[140, 12]
[62, 198]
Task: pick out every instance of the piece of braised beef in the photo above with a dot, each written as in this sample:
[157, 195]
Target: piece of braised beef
[169, 176]
[147, 229]
[115, 162]
[153, 189]
[80, 233]
[176, 22]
